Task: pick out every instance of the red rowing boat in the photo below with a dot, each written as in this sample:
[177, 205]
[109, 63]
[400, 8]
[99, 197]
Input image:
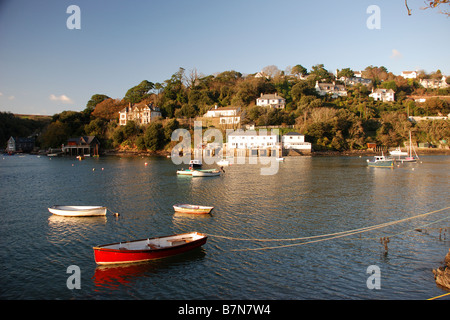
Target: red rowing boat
[148, 249]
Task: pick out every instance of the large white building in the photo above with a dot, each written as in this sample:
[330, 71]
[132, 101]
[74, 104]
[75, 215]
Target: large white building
[251, 139]
[140, 113]
[226, 115]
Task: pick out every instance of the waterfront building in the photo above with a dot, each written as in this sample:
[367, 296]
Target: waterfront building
[251, 139]
[85, 146]
[295, 141]
[19, 144]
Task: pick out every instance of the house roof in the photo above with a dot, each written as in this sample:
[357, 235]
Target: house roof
[293, 134]
[223, 108]
[331, 86]
[83, 140]
[381, 90]
[249, 133]
[271, 96]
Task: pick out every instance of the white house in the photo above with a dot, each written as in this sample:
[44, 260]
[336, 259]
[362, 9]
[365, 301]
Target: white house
[271, 100]
[251, 139]
[434, 83]
[295, 140]
[335, 90]
[409, 74]
[141, 113]
[226, 115]
[383, 94]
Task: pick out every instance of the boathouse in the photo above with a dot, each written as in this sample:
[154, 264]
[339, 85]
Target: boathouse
[82, 146]
[19, 144]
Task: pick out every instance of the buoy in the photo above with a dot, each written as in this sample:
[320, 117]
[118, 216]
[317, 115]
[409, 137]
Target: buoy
[93, 169]
[146, 163]
[103, 169]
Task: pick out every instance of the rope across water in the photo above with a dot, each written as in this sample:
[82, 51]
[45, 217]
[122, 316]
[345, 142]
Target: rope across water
[329, 236]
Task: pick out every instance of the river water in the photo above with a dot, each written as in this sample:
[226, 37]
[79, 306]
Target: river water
[307, 197]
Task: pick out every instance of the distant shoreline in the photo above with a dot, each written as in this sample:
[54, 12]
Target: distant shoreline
[354, 153]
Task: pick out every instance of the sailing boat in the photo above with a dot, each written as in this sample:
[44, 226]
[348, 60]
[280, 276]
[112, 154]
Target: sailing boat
[410, 157]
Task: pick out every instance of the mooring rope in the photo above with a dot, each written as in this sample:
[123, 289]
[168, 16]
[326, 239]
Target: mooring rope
[325, 237]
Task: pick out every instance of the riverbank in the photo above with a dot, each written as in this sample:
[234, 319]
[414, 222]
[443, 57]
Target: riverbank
[351, 153]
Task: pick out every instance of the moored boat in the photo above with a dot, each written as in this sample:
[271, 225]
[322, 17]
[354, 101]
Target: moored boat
[195, 163]
[191, 208]
[223, 162]
[398, 152]
[148, 249]
[381, 161]
[202, 173]
[188, 172]
[78, 211]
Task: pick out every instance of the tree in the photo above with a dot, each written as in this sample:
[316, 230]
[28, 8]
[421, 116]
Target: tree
[138, 93]
[299, 70]
[109, 109]
[432, 4]
[55, 135]
[271, 71]
[95, 99]
[320, 73]
[154, 136]
[346, 72]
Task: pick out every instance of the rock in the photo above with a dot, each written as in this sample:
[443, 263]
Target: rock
[442, 274]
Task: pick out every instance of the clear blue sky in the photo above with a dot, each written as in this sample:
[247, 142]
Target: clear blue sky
[45, 68]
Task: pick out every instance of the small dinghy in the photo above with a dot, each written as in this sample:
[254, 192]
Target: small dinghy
[148, 249]
[191, 208]
[78, 211]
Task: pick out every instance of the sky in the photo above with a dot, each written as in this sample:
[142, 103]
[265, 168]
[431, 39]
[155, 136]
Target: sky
[47, 68]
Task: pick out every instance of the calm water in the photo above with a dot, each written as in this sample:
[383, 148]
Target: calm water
[307, 197]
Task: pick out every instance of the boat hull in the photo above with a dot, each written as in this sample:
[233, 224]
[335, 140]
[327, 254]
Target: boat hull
[189, 172]
[205, 174]
[192, 209]
[381, 164]
[78, 211]
[104, 255]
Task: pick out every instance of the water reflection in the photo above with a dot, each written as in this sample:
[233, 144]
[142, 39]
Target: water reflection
[115, 276]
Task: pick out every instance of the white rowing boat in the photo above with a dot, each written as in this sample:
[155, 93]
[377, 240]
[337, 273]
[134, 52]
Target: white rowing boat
[78, 211]
[191, 208]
